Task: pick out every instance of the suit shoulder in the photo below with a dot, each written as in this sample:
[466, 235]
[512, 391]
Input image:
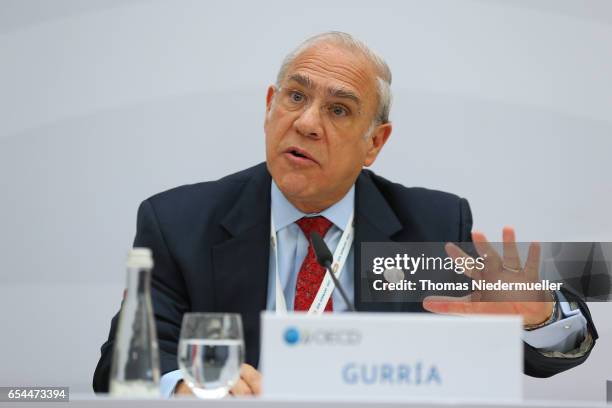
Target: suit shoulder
[204, 195]
[425, 196]
[426, 214]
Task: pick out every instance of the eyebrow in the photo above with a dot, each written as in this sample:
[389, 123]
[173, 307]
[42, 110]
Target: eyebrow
[303, 80]
[337, 92]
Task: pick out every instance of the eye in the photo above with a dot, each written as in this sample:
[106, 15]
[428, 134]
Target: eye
[339, 111]
[296, 96]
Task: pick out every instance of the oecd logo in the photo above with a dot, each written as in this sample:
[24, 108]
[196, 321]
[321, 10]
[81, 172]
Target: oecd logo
[292, 336]
[321, 337]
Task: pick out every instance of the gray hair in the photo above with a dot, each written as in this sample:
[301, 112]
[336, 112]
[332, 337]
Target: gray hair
[383, 79]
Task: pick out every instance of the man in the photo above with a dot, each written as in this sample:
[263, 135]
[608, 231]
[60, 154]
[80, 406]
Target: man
[326, 118]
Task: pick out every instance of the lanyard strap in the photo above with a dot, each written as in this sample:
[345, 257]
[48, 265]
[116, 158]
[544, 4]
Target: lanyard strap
[327, 286]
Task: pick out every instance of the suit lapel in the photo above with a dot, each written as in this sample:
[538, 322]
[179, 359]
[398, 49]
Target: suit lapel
[375, 221]
[241, 262]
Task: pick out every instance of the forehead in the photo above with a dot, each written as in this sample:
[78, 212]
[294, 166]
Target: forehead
[333, 66]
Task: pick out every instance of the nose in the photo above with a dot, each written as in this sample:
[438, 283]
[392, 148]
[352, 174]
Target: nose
[309, 122]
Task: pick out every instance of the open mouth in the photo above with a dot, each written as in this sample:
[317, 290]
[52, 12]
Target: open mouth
[298, 154]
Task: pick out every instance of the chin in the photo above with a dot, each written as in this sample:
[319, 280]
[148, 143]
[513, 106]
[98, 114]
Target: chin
[293, 184]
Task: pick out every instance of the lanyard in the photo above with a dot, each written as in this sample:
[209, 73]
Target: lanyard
[327, 286]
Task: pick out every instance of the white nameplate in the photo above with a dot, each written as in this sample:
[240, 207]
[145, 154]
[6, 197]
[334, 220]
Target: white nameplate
[391, 356]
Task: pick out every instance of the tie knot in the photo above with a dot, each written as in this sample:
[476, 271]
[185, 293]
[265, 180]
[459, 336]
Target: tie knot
[319, 224]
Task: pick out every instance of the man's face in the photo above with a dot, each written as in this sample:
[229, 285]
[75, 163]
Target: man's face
[315, 126]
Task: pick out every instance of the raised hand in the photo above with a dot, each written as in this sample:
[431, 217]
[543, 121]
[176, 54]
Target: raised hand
[535, 306]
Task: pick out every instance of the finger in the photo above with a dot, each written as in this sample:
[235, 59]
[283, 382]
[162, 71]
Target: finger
[241, 388]
[511, 255]
[455, 252]
[532, 265]
[449, 304]
[251, 377]
[182, 389]
[485, 249]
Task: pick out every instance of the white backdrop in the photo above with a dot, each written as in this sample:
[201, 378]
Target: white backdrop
[104, 103]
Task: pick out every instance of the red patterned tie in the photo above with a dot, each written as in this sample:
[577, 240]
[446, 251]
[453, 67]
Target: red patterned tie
[311, 273]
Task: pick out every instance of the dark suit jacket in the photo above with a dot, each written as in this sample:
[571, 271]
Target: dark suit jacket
[210, 243]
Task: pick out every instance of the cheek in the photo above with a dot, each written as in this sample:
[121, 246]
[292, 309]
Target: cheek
[278, 124]
[350, 156]
[281, 117]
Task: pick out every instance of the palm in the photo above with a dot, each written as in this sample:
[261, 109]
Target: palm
[533, 306]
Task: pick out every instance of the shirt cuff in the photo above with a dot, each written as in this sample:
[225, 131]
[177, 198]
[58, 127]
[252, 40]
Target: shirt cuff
[168, 381]
[562, 335]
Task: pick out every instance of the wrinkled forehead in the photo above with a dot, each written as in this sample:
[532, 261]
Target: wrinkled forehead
[329, 67]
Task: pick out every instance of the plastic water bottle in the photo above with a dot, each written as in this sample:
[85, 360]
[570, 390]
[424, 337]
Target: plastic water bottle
[135, 365]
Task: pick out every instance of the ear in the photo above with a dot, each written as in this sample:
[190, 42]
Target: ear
[270, 97]
[376, 142]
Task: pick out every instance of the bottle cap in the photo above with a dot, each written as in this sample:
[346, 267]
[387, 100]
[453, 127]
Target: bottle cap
[140, 258]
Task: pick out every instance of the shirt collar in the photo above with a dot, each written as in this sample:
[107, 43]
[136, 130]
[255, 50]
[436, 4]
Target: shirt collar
[284, 213]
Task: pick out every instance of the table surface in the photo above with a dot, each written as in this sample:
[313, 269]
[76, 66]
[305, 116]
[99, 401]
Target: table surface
[87, 401]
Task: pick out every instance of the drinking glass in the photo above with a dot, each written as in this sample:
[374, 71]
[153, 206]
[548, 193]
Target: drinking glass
[211, 351]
